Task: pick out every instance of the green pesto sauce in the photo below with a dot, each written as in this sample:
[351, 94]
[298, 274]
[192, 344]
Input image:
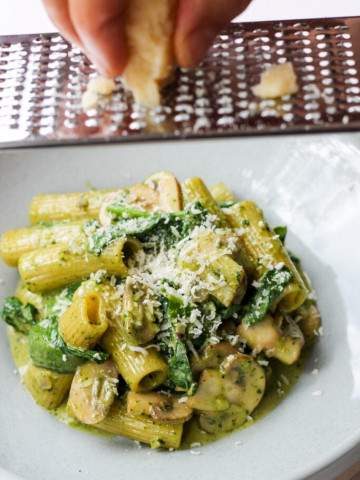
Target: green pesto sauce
[272, 398]
[192, 433]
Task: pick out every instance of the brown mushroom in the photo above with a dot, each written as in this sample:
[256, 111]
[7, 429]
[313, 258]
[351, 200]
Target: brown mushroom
[244, 381]
[143, 196]
[137, 315]
[240, 380]
[209, 396]
[310, 321]
[168, 190]
[160, 407]
[266, 336]
[261, 336]
[213, 356]
[93, 391]
[225, 421]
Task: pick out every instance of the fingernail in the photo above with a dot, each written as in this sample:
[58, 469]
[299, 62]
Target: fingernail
[195, 46]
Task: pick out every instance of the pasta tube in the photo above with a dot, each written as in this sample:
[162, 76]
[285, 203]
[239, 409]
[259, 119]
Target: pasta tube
[15, 243]
[260, 250]
[229, 283]
[142, 369]
[84, 322]
[55, 267]
[141, 428]
[67, 206]
[221, 193]
[47, 388]
[207, 254]
[195, 190]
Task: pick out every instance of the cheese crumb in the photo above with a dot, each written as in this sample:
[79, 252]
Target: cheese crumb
[320, 331]
[277, 81]
[317, 393]
[195, 452]
[101, 86]
[136, 349]
[315, 371]
[98, 89]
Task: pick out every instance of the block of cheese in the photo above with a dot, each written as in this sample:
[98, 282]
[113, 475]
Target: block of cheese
[149, 27]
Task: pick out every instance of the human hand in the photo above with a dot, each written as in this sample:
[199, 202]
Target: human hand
[97, 27]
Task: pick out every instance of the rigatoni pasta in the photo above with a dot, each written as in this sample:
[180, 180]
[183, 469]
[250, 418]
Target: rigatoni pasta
[153, 307]
[15, 243]
[84, 322]
[142, 369]
[55, 267]
[262, 249]
[66, 206]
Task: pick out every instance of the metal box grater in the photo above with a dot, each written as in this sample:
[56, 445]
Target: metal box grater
[42, 78]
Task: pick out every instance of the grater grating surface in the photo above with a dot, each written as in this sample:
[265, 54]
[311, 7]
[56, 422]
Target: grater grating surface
[42, 79]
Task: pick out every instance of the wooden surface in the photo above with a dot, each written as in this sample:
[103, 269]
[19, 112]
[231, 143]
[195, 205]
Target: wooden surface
[352, 474]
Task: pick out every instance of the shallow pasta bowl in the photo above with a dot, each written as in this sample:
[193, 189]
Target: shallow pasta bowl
[310, 183]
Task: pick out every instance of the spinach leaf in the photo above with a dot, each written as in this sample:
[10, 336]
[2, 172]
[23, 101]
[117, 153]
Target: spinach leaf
[180, 374]
[47, 349]
[281, 231]
[46, 346]
[227, 204]
[123, 210]
[153, 229]
[21, 317]
[272, 285]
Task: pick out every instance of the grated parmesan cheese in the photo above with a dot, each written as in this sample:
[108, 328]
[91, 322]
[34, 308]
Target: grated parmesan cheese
[317, 393]
[134, 348]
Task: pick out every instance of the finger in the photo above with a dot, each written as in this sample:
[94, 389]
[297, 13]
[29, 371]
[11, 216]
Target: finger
[58, 11]
[100, 27]
[198, 23]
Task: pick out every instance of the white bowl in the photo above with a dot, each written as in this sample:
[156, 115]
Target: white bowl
[312, 184]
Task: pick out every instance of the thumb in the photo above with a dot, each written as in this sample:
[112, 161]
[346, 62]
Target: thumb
[198, 23]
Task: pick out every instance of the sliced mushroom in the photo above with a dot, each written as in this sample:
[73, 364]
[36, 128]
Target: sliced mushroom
[310, 321]
[168, 189]
[209, 396]
[239, 381]
[139, 195]
[261, 336]
[137, 316]
[212, 356]
[225, 421]
[160, 407]
[287, 350]
[244, 381]
[93, 391]
[143, 196]
[266, 336]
